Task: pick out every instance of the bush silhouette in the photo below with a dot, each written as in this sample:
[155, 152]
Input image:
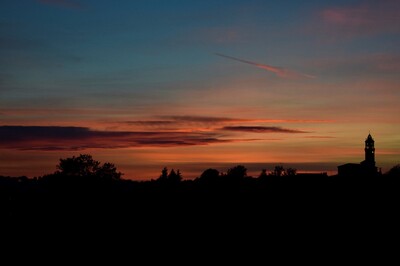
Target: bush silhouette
[263, 174]
[209, 175]
[394, 171]
[237, 172]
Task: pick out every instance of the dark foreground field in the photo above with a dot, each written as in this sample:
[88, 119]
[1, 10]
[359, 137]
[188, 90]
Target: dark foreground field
[293, 197]
[291, 218]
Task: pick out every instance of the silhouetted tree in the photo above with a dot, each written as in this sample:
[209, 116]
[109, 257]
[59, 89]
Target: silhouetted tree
[394, 171]
[108, 171]
[179, 174]
[278, 170]
[291, 171]
[174, 177]
[209, 175]
[83, 165]
[164, 174]
[237, 172]
[263, 174]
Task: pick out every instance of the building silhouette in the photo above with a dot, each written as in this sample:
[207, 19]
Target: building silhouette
[366, 167]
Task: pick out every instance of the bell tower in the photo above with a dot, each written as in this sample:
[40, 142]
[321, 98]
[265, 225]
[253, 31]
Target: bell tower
[370, 151]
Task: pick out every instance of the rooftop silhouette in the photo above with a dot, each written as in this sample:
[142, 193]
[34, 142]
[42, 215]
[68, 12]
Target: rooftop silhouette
[365, 168]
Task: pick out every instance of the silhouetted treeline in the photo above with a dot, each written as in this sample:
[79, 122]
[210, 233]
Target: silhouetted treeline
[83, 187]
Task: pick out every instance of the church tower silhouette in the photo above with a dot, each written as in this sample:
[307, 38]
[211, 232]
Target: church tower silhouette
[369, 151]
[366, 168]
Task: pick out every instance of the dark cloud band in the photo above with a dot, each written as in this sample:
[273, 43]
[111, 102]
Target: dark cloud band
[260, 129]
[76, 138]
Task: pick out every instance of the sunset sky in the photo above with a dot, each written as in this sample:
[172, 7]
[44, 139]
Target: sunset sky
[197, 84]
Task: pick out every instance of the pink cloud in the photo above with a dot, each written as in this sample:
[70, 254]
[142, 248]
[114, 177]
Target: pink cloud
[280, 72]
[367, 19]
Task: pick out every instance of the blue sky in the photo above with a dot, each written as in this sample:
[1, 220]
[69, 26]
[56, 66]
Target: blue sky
[101, 64]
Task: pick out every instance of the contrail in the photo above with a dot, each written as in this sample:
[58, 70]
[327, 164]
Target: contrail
[280, 72]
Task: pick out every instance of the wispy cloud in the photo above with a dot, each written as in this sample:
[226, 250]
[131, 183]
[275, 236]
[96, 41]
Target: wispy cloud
[368, 63]
[78, 138]
[58, 111]
[280, 72]
[149, 122]
[190, 119]
[62, 3]
[368, 18]
[319, 137]
[260, 129]
[50, 138]
[200, 119]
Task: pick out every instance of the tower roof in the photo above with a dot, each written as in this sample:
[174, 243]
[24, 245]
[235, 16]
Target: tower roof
[369, 138]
